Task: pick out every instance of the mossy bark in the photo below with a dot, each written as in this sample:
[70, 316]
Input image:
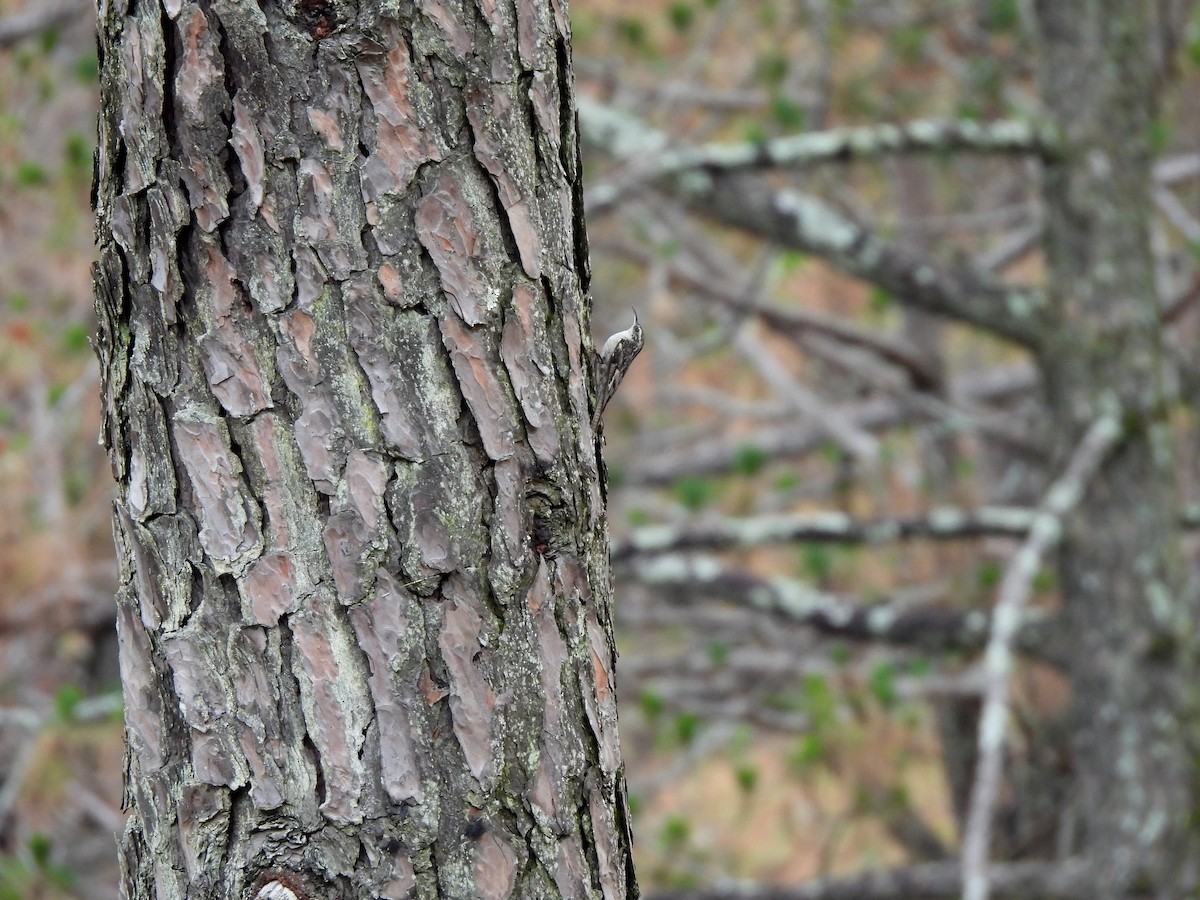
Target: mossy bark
[364, 611]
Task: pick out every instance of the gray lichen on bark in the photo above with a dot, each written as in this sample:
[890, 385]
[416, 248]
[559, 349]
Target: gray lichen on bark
[365, 604]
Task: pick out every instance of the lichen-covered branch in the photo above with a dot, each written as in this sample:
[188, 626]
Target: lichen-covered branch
[716, 456]
[1065, 880]
[838, 145]
[683, 578]
[797, 220]
[1044, 532]
[948, 523]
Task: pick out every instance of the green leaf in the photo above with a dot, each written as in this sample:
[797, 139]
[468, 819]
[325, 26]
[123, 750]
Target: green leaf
[817, 560]
[880, 300]
[78, 150]
[675, 831]
[819, 701]
[652, 704]
[718, 653]
[747, 777]
[30, 174]
[1159, 136]
[989, 575]
[67, 700]
[632, 31]
[681, 15]
[1001, 15]
[695, 492]
[75, 339]
[771, 69]
[787, 113]
[39, 848]
[909, 43]
[87, 68]
[786, 482]
[809, 750]
[687, 726]
[882, 682]
[749, 459]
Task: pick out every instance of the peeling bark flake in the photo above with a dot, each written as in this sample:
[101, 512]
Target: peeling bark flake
[499, 150]
[229, 528]
[471, 698]
[247, 144]
[143, 708]
[447, 227]
[485, 395]
[523, 349]
[604, 718]
[269, 588]
[495, 868]
[401, 143]
[336, 706]
[382, 630]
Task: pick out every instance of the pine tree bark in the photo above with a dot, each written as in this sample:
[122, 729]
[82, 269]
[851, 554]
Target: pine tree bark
[1133, 791]
[364, 611]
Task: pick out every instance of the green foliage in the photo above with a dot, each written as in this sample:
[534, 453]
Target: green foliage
[988, 575]
[818, 701]
[880, 300]
[75, 339]
[632, 32]
[637, 516]
[48, 40]
[787, 113]
[909, 43]
[87, 68]
[1159, 136]
[696, 492]
[652, 704]
[1001, 15]
[30, 174]
[747, 777]
[786, 481]
[681, 16]
[808, 751]
[882, 683]
[78, 150]
[817, 562]
[718, 653]
[749, 459]
[66, 701]
[31, 873]
[687, 726]
[771, 69]
[1045, 580]
[675, 832]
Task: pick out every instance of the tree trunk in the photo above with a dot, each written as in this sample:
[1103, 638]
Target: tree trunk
[1133, 671]
[365, 602]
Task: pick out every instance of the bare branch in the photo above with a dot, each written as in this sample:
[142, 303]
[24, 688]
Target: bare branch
[931, 881]
[714, 457]
[896, 621]
[946, 523]
[842, 431]
[1044, 533]
[36, 19]
[793, 219]
[865, 142]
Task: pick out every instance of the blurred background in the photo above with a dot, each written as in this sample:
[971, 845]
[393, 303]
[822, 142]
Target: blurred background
[795, 704]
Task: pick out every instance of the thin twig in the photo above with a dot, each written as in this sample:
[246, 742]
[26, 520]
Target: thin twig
[35, 20]
[1044, 533]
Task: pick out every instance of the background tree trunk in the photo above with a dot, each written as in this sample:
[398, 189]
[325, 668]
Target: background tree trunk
[365, 608]
[1133, 625]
